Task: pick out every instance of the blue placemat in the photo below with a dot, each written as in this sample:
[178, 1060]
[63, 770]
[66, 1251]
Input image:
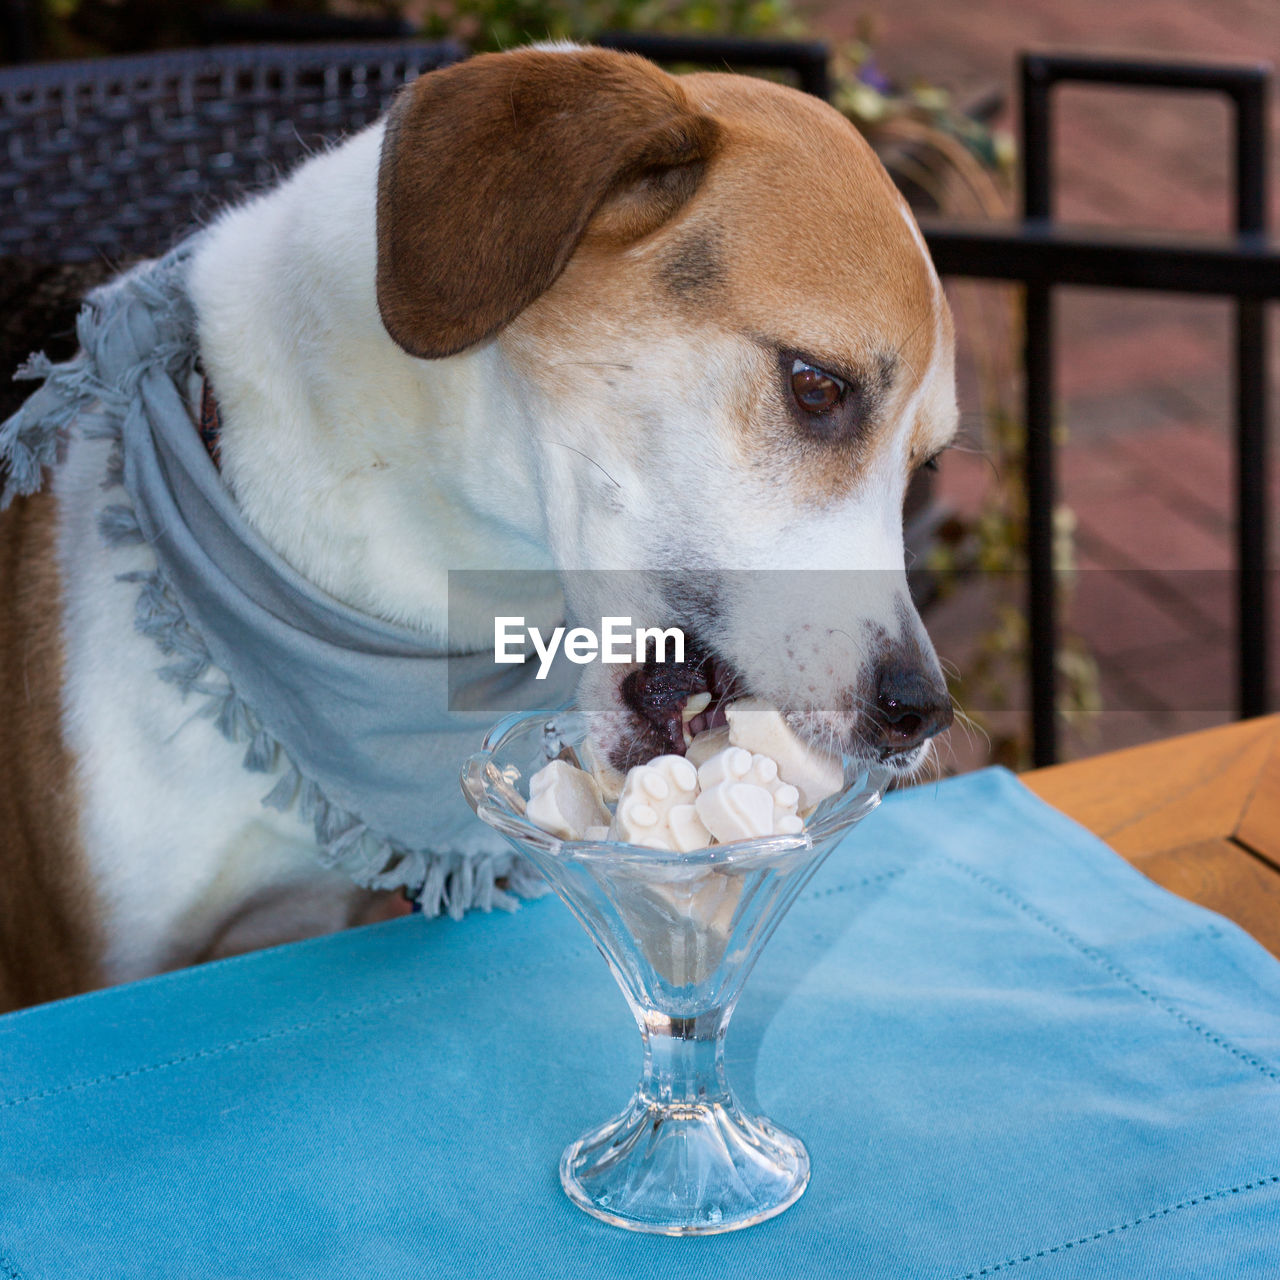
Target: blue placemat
[1007, 1052]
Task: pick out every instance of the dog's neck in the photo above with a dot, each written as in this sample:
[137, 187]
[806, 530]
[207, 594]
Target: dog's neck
[371, 472]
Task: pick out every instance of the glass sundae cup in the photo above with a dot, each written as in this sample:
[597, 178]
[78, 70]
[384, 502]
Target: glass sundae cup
[680, 932]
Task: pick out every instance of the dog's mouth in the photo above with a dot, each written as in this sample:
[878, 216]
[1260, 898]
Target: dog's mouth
[675, 701]
[663, 706]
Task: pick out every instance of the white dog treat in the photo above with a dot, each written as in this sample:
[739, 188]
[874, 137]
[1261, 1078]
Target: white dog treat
[565, 801]
[681, 916]
[706, 744]
[786, 798]
[736, 764]
[687, 830]
[650, 793]
[736, 811]
[749, 778]
[758, 726]
[730, 765]
[608, 778]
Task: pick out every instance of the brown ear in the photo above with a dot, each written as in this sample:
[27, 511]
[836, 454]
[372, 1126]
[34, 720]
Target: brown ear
[492, 169]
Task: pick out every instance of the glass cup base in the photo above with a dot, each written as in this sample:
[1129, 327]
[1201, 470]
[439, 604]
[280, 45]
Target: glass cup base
[685, 1168]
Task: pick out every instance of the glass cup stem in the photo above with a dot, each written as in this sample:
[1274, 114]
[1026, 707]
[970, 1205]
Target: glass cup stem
[683, 1059]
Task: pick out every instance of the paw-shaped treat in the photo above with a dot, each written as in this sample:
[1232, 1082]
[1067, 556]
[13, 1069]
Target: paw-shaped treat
[786, 798]
[736, 811]
[565, 801]
[733, 781]
[656, 807]
[730, 765]
[758, 726]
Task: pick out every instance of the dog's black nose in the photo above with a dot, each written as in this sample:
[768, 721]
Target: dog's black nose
[911, 705]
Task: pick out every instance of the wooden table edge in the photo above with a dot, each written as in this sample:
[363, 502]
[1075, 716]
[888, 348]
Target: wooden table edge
[1199, 814]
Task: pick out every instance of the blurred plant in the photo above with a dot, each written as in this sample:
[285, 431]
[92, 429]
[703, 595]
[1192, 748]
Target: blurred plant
[81, 28]
[926, 116]
[499, 24]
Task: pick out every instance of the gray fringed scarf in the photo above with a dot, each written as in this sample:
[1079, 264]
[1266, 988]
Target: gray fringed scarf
[355, 710]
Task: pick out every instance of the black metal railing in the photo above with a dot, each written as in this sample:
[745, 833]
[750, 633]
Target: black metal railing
[1043, 256]
[808, 60]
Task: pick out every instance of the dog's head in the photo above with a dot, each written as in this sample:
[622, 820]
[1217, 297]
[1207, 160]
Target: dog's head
[733, 350]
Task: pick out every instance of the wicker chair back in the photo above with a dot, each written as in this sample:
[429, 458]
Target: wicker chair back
[117, 158]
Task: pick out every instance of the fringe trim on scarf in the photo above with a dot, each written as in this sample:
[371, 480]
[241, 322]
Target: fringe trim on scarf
[34, 440]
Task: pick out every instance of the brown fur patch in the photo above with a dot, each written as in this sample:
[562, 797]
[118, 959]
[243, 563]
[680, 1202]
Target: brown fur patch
[47, 935]
[492, 169]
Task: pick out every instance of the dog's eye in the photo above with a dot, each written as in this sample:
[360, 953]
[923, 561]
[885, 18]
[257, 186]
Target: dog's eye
[815, 390]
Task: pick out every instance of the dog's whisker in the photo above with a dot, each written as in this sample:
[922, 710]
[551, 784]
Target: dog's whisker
[898, 350]
[964, 728]
[970, 726]
[972, 445]
[591, 364]
[935, 757]
[587, 456]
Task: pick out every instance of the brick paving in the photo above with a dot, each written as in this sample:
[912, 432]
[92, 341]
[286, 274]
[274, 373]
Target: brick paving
[1144, 380]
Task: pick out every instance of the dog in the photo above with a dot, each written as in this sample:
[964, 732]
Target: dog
[558, 310]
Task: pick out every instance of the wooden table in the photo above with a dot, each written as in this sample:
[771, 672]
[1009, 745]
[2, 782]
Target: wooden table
[1199, 814]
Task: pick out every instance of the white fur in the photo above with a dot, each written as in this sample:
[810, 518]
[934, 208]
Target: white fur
[177, 839]
[373, 473]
